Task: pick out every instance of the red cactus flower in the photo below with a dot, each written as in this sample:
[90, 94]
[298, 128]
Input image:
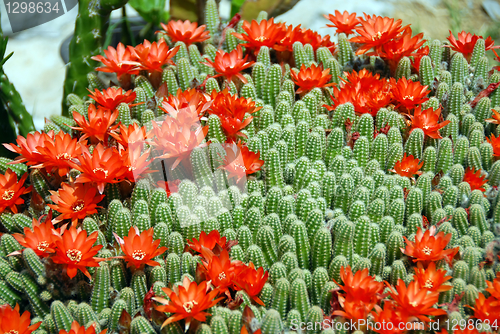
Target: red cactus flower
[486, 309]
[11, 191]
[266, 33]
[57, 153]
[221, 272]
[131, 136]
[427, 120]
[120, 61]
[474, 179]
[99, 124]
[308, 36]
[251, 280]
[408, 94]
[187, 301]
[135, 163]
[496, 117]
[153, 56]
[414, 300]
[292, 35]
[495, 143]
[417, 57]
[376, 31]
[432, 279]
[367, 92]
[12, 322]
[466, 42]
[497, 58]
[74, 250]
[75, 202]
[230, 64]
[187, 32]
[39, 238]
[494, 287]
[404, 45]
[344, 23]
[212, 241]
[103, 166]
[139, 248]
[429, 247]
[408, 166]
[177, 139]
[76, 328]
[394, 318]
[111, 97]
[196, 101]
[311, 77]
[240, 161]
[27, 147]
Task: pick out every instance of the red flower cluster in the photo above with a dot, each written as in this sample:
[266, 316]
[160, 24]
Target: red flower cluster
[466, 42]
[72, 247]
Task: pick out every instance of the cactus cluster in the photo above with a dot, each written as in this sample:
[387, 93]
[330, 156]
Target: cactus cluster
[305, 189]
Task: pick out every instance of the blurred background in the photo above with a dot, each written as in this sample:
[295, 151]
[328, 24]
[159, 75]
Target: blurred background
[37, 68]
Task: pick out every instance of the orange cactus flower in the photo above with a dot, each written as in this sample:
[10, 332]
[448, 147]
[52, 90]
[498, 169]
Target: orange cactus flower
[131, 136]
[120, 61]
[486, 309]
[227, 105]
[221, 272]
[311, 77]
[57, 153]
[266, 33]
[251, 280]
[39, 238]
[360, 285]
[308, 36]
[292, 35]
[497, 58]
[136, 163]
[244, 330]
[103, 166]
[414, 300]
[12, 322]
[427, 120]
[74, 250]
[211, 241]
[230, 64]
[367, 92]
[495, 119]
[393, 317]
[404, 45]
[494, 287]
[187, 32]
[75, 202]
[11, 191]
[27, 147]
[76, 328]
[417, 57]
[352, 308]
[195, 101]
[177, 139]
[376, 31]
[408, 94]
[495, 143]
[429, 247]
[474, 179]
[139, 248]
[240, 161]
[466, 42]
[100, 122]
[187, 301]
[111, 97]
[344, 23]
[153, 56]
[431, 278]
[408, 167]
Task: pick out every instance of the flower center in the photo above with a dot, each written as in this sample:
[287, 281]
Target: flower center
[427, 250]
[42, 246]
[408, 97]
[414, 304]
[12, 331]
[131, 168]
[7, 195]
[378, 35]
[261, 38]
[99, 169]
[429, 284]
[138, 255]
[74, 255]
[63, 156]
[222, 276]
[78, 205]
[188, 306]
